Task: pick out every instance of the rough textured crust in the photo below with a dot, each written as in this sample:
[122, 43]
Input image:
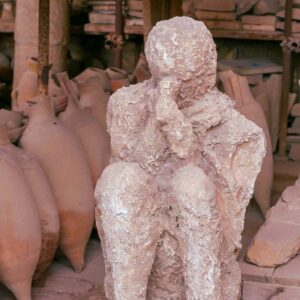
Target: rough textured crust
[170, 207]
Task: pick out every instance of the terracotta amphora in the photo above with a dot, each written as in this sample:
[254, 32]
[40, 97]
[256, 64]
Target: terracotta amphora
[94, 99]
[44, 200]
[118, 77]
[27, 87]
[11, 119]
[142, 71]
[103, 78]
[63, 159]
[238, 89]
[20, 234]
[94, 138]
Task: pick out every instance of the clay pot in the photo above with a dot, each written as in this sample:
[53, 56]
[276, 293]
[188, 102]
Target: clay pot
[26, 35]
[58, 96]
[92, 135]
[11, 119]
[118, 77]
[93, 99]
[253, 111]
[103, 77]
[28, 86]
[20, 234]
[238, 89]
[48, 212]
[63, 159]
[142, 71]
[44, 200]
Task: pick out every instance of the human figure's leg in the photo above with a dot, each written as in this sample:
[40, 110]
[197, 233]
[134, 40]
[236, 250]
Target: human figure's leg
[128, 212]
[198, 223]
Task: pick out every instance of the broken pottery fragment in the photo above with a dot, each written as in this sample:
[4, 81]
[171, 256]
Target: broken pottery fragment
[171, 205]
[237, 88]
[277, 241]
[20, 234]
[44, 201]
[63, 159]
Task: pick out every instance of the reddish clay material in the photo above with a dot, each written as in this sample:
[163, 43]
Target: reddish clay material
[26, 35]
[13, 122]
[142, 71]
[20, 235]
[62, 157]
[44, 200]
[277, 241]
[238, 89]
[48, 212]
[103, 78]
[94, 99]
[119, 78]
[27, 87]
[10, 119]
[91, 134]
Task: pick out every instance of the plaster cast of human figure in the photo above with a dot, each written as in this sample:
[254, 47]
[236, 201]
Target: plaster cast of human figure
[170, 207]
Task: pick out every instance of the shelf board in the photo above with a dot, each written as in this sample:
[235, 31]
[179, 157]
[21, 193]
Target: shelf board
[99, 29]
[248, 35]
[9, 27]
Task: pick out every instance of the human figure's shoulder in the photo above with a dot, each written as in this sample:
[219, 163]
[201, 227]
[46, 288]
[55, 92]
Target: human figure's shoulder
[127, 115]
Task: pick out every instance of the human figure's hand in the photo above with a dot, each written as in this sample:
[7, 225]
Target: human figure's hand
[177, 128]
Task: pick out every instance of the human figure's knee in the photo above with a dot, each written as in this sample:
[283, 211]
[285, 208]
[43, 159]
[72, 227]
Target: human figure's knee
[122, 188]
[195, 193]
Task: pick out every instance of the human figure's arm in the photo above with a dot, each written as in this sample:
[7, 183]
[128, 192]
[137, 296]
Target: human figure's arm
[177, 129]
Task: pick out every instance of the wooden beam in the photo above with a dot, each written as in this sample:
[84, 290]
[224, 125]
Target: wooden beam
[119, 24]
[154, 11]
[43, 43]
[286, 82]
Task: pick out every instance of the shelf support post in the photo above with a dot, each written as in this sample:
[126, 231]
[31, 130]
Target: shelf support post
[43, 44]
[119, 26]
[286, 80]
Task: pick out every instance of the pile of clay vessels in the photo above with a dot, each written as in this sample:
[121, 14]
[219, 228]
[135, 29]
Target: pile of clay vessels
[47, 181]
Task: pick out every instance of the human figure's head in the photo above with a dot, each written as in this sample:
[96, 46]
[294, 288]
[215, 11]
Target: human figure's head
[184, 48]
